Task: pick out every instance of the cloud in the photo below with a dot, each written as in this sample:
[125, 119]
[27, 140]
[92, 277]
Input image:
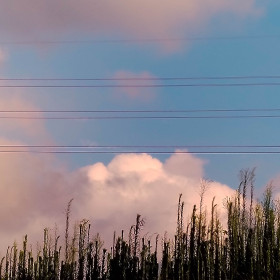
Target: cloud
[135, 93]
[3, 56]
[186, 165]
[134, 183]
[275, 187]
[14, 125]
[36, 189]
[137, 18]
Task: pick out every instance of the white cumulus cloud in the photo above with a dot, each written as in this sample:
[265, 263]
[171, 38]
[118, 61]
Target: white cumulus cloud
[36, 190]
[139, 183]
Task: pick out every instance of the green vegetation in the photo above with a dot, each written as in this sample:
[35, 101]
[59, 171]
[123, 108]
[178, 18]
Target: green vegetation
[248, 247]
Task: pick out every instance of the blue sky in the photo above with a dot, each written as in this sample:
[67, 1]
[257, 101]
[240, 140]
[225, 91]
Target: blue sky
[225, 57]
[227, 49]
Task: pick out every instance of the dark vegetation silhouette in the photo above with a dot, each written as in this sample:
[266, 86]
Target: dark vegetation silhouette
[247, 247]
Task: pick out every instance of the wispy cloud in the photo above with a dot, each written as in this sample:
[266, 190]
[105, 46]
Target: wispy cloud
[13, 125]
[3, 55]
[128, 78]
[138, 18]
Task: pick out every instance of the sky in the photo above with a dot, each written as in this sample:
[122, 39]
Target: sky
[121, 41]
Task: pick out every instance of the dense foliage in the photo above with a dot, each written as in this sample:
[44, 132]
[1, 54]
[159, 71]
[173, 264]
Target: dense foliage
[247, 248]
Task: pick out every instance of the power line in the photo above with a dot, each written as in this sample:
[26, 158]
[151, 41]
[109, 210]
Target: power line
[144, 86]
[140, 40]
[139, 146]
[140, 114]
[143, 152]
[140, 149]
[138, 117]
[141, 111]
[147, 78]
[144, 111]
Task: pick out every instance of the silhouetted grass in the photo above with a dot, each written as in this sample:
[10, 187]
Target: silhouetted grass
[247, 248]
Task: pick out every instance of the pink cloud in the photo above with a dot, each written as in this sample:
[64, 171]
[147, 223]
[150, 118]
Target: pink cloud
[19, 127]
[35, 191]
[138, 18]
[3, 56]
[135, 93]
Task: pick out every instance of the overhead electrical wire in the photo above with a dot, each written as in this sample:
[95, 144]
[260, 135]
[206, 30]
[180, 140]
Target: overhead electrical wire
[145, 111]
[145, 86]
[140, 149]
[138, 114]
[139, 40]
[138, 146]
[137, 117]
[85, 81]
[141, 152]
[148, 78]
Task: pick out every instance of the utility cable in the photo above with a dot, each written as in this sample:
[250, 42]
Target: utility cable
[138, 146]
[146, 86]
[141, 152]
[264, 77]
[144, 111]
[137, 117]
[140, 40]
